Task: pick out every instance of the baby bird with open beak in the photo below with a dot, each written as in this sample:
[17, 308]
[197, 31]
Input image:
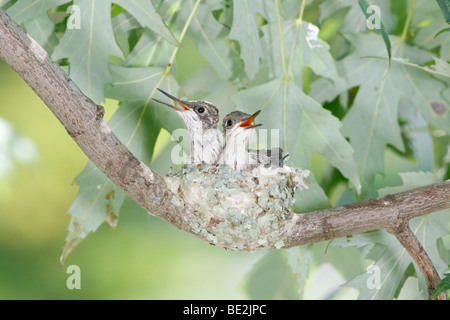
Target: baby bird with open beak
[200, 118]
[237, 128]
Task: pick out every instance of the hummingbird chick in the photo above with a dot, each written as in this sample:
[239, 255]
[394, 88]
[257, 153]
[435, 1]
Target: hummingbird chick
[273, 158]
[237, 129]
[200, 118]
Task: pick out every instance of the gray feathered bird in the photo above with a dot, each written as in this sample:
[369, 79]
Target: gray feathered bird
[200, 118]
[238, 127]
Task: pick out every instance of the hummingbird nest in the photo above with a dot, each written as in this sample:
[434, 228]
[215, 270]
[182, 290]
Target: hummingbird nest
[238, 210]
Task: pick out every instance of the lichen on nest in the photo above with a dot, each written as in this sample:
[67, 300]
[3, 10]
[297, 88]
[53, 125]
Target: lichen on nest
[238, 210]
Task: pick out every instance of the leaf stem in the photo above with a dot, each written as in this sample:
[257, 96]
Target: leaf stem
[183, 33]
[280, 31]
[408, 19]
[300, 15]
[166, 72]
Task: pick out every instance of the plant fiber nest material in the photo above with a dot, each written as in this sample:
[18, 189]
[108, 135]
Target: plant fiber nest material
[238, 210]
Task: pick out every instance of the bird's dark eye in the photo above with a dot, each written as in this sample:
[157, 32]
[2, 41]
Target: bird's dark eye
[229, 123]
[201, 110]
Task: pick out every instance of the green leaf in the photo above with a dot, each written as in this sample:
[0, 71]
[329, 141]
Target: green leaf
[98, 201]
[42, 30]
[371, 123]
[150, 50]
[440, 68]
[311, 199]
[305, 127]
[427, 94]
[135, 87]
[426, 21]
[302, 48]
[137, 124]
[353, 22]
[382, 30]
[210, 38]
[25, 10]
[89, 48]
[245, 31]
[299, 259]
[445, 8]
[391, 259]
[441, 32]
[124, 22]
[146, 14]
[411, 180]
[443, 286]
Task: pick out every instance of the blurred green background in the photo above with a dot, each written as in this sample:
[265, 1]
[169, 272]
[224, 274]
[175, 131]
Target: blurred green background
[143, 258]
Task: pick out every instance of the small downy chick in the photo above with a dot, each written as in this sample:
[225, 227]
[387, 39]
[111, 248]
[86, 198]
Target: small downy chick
[270, 158]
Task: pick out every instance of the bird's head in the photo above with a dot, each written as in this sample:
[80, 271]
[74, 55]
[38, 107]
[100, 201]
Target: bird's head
[201, 111]
[239, 122]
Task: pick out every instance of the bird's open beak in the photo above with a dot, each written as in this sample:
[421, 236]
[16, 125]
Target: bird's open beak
[181, 103]
[247, 124]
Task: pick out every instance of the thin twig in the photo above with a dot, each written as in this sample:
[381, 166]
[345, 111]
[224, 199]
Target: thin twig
[420, 256]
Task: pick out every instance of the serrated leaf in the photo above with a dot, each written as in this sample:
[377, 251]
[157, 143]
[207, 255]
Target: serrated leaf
[427, 97]
[42, 30]
[245, 31]
[98, 200]
[124, 22]
[411, 180]
[25, 10]
[440, 68]
[209, 37]
[371, 124]
[382, 30]
[426, 21]
[392, 259]
[353, 22]
[443, 286]
[135, 87]
[302, 48]
[89, 48]
[150, 49]
[391, 264]
[145, 13]
[445, 8]
[305, 127]
[137, 124]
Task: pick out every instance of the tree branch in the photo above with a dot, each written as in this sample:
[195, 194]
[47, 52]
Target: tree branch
[388, 213]
[84, 122]
[420, 256]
